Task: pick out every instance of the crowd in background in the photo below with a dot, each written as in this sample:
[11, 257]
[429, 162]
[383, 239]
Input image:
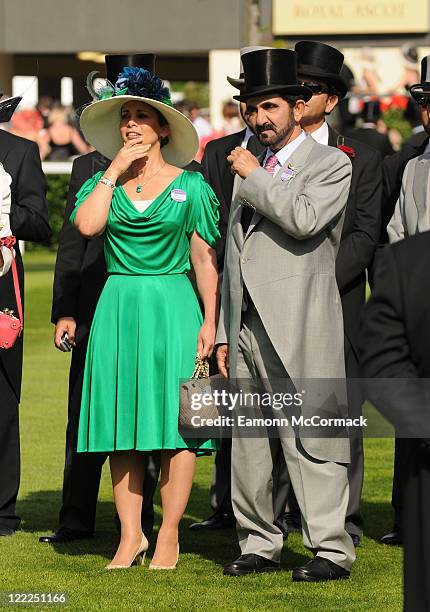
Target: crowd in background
[55, 128]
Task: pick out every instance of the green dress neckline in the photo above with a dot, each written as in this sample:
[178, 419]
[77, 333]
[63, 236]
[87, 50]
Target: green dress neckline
[162, 195]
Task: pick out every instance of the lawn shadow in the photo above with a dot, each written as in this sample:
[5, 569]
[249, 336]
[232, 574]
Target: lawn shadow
[39, 512]
[378, 518]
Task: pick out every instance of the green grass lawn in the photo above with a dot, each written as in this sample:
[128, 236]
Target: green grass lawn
[198, 583]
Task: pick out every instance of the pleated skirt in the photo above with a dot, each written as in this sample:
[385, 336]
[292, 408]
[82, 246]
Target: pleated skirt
[143, 342]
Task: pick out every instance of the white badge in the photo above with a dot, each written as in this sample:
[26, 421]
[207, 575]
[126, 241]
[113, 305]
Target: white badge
[179, 195]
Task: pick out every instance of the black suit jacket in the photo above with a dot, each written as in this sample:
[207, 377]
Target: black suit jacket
[216, 170]
[395, 335]
[360, 233]
[393, 168]
[374, 139]
[80, 269]
[29, 221]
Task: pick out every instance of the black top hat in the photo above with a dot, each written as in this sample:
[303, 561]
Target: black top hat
[7, 108]
[240, 82]
[320, 61]
[419, 90]
[116, 63]
[371, 111]
[271, 71]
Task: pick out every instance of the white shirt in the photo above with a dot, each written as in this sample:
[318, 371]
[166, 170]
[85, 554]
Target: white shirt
[248, 134]
[321, 134]
[5, 201]
[142, 205]
[285, 153]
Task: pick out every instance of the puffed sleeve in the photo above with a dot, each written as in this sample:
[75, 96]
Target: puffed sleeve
[205, 216]
[84, 192]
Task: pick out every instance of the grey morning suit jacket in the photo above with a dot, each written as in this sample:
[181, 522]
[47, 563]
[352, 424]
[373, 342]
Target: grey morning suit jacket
[412, 213]
[287, 262]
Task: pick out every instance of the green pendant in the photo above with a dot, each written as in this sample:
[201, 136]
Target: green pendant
[138, 188]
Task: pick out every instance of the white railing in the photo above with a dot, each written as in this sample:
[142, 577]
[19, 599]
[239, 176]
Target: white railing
[52, 167]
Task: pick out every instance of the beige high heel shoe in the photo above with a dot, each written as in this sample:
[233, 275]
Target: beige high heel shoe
[139, 557]
[165, 567]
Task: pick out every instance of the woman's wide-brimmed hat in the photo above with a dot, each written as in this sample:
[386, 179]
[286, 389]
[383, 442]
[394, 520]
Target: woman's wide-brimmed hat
[320, 61]
[271, 71]
[421, 90]
[100, 120]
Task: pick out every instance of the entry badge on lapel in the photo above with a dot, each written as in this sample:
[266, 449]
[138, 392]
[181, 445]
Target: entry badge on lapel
[288, 174]
[179, 195]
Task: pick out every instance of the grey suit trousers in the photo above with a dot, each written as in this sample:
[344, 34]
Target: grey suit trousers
[321, 487]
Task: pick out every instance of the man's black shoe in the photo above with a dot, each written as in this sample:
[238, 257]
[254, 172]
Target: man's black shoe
[293, 522]
[319, 570]
[6, 531]
[250, 564]
[63, 534]
[356, 540]
[393, 538]
[219, 520]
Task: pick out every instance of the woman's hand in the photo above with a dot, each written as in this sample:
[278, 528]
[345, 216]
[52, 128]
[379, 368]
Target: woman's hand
[132, 150]
[206, 339]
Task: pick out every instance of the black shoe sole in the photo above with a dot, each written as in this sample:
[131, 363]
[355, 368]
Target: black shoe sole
[238, 573]
[45, 540]
[305, 578]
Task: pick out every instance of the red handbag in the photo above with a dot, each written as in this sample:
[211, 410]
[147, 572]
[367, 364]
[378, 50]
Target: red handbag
[10, 326]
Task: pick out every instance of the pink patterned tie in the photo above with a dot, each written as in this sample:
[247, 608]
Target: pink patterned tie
[270, 164]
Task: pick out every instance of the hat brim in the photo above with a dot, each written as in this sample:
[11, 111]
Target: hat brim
[293, 90]
[331, 79]
[419, 89]
[8, 107]
[237, 83]
[100, 120]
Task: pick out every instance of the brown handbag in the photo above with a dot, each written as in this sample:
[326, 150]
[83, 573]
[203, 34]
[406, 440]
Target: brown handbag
[199, 384]
[10, 326]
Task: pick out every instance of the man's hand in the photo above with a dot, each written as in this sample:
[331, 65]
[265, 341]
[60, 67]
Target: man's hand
[222, 360]
[242, 162]
[65, 324]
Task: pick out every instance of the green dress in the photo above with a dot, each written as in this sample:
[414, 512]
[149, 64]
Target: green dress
[143, 339]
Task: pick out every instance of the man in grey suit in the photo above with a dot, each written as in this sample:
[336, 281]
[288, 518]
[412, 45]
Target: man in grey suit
[281, 316]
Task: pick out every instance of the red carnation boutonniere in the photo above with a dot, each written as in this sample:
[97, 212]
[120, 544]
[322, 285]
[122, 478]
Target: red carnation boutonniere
[347, 150]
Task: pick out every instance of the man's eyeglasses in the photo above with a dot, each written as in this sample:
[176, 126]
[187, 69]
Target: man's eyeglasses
[423, 100]
[316, 88]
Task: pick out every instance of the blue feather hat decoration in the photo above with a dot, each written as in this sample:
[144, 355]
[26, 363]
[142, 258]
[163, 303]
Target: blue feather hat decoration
[140, 82]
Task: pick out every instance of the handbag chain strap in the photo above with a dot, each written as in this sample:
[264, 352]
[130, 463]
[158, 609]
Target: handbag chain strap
[9, 242]
[201, 368]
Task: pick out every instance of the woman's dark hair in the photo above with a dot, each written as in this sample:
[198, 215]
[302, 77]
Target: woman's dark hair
[162, 121]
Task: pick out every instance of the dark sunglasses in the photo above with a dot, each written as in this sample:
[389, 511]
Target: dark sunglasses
[423, 100]
[316, 88]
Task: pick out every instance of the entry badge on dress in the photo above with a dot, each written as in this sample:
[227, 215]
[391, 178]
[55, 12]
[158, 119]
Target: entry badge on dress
[179, 195]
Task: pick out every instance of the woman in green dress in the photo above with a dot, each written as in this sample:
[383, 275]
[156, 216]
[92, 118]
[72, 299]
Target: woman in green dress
[148, 324]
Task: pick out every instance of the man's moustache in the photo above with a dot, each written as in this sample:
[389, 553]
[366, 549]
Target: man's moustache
[263, 128]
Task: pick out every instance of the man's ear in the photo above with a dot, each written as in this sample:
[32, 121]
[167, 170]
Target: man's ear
[299, 110]
[332, 101]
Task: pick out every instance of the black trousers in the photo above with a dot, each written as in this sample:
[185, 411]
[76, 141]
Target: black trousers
[82, 471]
[403, 454]
[416, 529]
[220, 493]
[9, 454]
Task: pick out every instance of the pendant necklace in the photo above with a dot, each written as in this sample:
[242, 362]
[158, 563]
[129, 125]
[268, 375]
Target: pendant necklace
[140, 186]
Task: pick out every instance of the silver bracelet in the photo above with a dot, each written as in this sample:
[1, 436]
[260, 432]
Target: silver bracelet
[107, 182]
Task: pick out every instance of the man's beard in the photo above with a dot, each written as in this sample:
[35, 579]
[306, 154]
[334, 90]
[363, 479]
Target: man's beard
[275, 138]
